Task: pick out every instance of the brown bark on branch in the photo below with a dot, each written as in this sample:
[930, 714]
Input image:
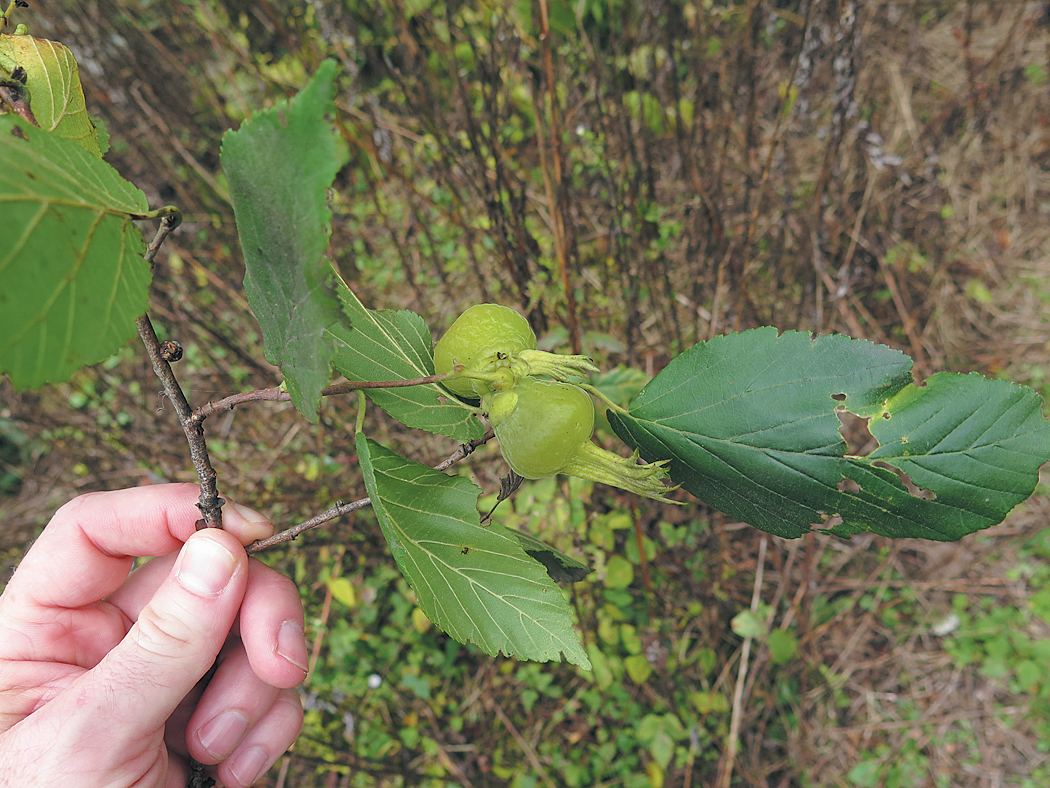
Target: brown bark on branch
[276, 395]
[209, 503]
[340, 508]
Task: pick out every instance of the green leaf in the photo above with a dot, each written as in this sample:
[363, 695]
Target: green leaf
[53, 84]
[749, 423]
[561, 567]
[659, 732]
[638, 668]
[388, 345]
[417, 685]
[72, 277]
[782, 646]
[343, 591]
[602, 674]
[279, 165]
[618, 572]
[475, 583]
[748, 625]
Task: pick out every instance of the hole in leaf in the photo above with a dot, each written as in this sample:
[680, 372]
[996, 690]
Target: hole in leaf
[827, 521]
[839, 397]
[854, 430]
[848, 486]
[906, 480]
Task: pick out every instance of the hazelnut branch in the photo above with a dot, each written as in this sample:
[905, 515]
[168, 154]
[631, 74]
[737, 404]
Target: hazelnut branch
[340, 508]
[276, 394]
[209, 503]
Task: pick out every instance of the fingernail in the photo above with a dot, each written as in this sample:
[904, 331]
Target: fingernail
[250, 515]
[249, 765]
[223, 733]
[206, 567]
[291, 644]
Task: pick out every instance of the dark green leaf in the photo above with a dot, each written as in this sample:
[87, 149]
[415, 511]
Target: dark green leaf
[279, 165]
[72, 277]
[782, 646]
[387, 345]
[475, 583]
[749, 423]
[561, 567]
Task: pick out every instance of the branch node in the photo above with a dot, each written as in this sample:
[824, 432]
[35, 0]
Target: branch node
[171, 351]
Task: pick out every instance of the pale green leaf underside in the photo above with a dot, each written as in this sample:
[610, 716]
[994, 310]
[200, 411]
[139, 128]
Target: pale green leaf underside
[749, 423]
[475, 583]
[279, 165]
[388, 345]
[72, 277]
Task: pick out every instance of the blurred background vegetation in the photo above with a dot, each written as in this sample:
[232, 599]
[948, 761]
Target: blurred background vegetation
[635, 177]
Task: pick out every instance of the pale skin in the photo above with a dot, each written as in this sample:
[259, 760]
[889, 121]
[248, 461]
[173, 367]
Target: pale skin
[105, 678]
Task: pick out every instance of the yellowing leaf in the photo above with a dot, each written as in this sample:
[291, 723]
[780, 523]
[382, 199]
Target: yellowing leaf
[53, 84]
[638, 668]
[618, 572]
[420, 622]
[343, 591]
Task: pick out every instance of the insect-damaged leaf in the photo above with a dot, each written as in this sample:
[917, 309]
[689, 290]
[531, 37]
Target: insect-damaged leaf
[749, 423]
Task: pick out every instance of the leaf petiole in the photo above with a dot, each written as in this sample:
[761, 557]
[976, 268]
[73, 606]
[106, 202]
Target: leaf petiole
[162, 213]
[361, 402]
[5, 17]
[594, 391]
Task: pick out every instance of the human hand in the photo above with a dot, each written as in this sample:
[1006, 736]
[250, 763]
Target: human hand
[101, 672]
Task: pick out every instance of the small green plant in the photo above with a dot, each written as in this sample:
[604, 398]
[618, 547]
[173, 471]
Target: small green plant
[1003, 640]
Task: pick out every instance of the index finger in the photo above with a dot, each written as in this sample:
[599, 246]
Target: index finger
[86, 552]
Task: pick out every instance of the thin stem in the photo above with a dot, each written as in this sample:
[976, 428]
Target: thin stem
[170, 218]
[725, 771]
[5, 15]
[169, 212]
[209, 503]
[277, 395]
[594, 391]
[360, 412]
[339, 508]
[553, 181]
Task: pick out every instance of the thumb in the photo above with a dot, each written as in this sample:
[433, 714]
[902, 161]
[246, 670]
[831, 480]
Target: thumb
[177, 635]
